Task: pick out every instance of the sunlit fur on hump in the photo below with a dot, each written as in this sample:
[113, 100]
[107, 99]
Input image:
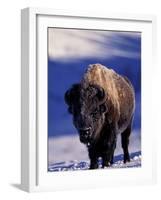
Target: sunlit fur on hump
[106, 78]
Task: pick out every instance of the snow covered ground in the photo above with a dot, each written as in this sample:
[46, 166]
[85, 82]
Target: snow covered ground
[84, 165]
[67, 153]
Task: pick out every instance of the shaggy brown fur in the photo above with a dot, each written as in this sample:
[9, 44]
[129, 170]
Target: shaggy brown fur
[120, 97]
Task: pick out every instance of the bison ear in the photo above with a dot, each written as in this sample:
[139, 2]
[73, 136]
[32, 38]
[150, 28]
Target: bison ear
[103, 108]
[71, 93]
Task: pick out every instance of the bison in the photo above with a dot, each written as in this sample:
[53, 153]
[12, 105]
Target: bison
[102, 105]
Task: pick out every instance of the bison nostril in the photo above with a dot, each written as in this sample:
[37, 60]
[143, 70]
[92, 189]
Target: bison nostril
[87, 130]
[84, 132]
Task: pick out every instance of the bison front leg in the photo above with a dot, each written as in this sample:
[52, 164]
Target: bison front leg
[93, 164]
[113, 150]
[93, 159]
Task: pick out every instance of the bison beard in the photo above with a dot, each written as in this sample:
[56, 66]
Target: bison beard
[102, 105]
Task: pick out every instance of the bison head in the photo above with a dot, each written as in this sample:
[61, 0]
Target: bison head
[87, 105]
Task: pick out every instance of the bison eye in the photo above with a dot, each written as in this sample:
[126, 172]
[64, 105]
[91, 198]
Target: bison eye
[94, 114]
[103, 108]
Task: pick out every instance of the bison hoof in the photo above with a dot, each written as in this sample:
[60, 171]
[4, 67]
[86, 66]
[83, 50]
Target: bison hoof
[106, 165]
[95, 166]
[126, 160]
[111, 162]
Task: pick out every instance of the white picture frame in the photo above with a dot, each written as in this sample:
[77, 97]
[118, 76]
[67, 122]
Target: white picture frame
[34, 175]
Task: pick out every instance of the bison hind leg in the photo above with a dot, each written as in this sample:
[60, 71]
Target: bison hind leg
[125, 143]
[108, 157]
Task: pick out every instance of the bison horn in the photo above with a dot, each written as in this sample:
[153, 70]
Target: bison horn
[67, 97]
[99, 92]
[71, 93]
